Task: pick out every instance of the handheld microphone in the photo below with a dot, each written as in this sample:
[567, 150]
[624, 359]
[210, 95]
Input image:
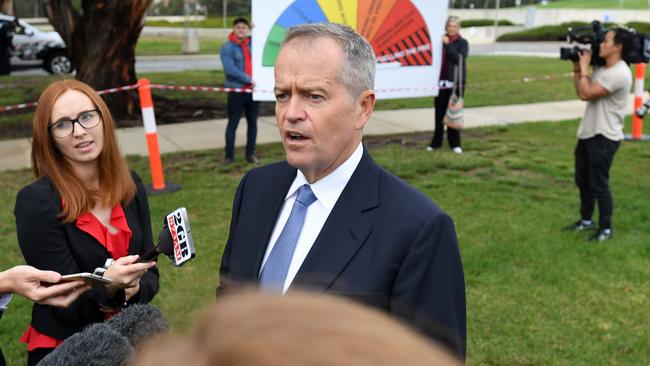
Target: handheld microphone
[98, 345]
[175, 239]
[643, 109]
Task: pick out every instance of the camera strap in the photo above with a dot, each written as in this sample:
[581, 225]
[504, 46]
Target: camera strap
[458, 78]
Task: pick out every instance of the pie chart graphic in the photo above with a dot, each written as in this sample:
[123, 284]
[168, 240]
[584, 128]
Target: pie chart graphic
[395, 28]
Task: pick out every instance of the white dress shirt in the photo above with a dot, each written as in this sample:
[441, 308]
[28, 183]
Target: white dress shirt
[327, 191]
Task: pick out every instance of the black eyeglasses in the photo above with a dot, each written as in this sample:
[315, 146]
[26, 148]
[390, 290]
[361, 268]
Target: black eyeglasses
[65, 127]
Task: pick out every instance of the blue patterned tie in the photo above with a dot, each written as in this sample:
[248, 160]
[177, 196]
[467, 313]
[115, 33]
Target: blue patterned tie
[277, 264]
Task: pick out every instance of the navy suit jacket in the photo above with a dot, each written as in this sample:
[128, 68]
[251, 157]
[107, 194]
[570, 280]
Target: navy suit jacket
[384, 244]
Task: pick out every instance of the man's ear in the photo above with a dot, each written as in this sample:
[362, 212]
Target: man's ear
[366, 104]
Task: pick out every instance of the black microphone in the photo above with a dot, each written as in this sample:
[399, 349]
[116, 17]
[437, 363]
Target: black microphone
[112, 342]
[138, 323]
[98, 345]
[174, 240]
[643, 109]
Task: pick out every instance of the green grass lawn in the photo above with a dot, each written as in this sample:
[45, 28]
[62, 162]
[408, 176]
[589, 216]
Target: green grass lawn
[492, 80]
[535, 295]
[159, 46]
[210, 22]
[596, 4]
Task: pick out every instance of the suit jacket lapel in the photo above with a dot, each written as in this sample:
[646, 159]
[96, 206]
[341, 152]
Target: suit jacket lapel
[254, 248]
[345, 230]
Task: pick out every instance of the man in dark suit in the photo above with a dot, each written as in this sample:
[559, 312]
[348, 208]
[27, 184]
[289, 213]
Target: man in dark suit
[329, 218]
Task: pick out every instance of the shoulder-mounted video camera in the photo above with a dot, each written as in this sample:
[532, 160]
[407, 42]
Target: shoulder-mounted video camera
[590, 37]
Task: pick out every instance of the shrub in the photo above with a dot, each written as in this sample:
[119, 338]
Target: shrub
[557, 32]
[483, 22]
[640, 27]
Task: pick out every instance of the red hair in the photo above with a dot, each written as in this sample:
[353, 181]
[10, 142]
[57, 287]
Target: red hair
[115, 182]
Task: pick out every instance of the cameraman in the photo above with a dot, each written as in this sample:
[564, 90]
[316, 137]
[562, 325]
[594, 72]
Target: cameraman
[601, 130]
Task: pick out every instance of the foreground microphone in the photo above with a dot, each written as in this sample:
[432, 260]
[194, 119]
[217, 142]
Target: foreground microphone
[98, 345]
[112, 342]
[175, 239]
[138, 323]
[643, 109]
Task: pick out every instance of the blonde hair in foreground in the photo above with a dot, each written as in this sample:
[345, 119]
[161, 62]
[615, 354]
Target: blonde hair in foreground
[251, 328]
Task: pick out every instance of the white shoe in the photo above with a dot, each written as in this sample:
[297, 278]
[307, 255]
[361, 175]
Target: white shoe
[457, 150]
[429, 148]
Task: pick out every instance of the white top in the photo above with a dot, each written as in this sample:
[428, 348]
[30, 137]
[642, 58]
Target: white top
[605, 115]
[327, 191]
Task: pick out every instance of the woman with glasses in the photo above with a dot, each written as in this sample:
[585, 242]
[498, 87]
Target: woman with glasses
[85, 210]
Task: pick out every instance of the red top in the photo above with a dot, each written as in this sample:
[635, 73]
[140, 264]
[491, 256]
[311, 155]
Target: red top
[248, 63]
[117, 245]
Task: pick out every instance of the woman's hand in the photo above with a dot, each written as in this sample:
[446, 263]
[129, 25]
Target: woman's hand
[42, 287]
[126, 273]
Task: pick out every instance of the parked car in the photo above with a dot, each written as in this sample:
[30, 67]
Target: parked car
[35, 48]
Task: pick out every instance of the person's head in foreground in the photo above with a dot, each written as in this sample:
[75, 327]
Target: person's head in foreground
[252, 328]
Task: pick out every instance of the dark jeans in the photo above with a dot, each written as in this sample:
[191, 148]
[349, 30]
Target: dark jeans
[238, 103]
[35, 356]
[5, 65]
[453, 135]
[594, 157]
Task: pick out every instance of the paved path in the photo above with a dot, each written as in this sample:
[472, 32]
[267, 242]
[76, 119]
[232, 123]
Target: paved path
[15, 154]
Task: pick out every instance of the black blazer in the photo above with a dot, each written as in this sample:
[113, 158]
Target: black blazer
[453, 51]
[384, 244]
[48, 244]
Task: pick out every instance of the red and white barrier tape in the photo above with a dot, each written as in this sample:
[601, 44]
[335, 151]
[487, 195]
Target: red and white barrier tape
[248, 90]
[115, 90]
[18, 106]
[204, 88]
[33, 104]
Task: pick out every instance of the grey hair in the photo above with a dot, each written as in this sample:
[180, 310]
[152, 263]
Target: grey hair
[358, 66]
[453, 18]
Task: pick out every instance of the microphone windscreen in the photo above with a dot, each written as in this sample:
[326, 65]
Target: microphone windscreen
[97, 345]
[165, 242]
[139, 323]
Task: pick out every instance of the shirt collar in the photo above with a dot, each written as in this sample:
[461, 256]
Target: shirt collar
[328, 189]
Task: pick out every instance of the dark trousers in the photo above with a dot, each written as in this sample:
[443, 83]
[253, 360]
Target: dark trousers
[594, 157]
[35, 356]
[238, 103]
[5, 64]
[441, 103]
[2, 358]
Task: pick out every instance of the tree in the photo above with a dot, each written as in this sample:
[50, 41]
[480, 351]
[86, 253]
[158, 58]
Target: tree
[7, 6]
[101, 36]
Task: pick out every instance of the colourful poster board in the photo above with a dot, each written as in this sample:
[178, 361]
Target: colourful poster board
[398, 30]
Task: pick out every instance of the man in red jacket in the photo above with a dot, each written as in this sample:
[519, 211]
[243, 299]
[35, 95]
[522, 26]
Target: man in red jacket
[238, 67]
